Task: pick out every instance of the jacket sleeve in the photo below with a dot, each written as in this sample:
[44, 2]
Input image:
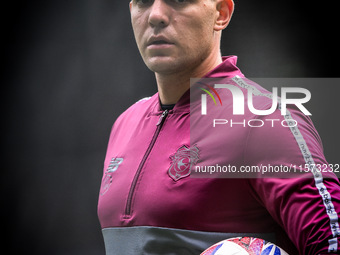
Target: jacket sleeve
[305, 204]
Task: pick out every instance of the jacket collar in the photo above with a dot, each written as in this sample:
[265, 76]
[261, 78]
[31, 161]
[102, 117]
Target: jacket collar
[227, 69]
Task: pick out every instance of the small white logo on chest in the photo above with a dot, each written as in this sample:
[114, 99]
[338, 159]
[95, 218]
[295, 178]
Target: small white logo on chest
[114, 164]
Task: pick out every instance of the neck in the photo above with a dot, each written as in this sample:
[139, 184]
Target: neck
[171, 87]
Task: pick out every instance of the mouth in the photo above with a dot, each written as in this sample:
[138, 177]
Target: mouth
[159, 42]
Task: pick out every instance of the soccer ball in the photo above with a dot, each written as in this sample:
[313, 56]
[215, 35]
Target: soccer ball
[244, 246]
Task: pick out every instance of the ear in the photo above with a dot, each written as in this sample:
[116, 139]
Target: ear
[130, 5]
[225, 9]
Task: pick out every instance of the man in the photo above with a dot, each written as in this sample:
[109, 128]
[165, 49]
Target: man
[148, 202]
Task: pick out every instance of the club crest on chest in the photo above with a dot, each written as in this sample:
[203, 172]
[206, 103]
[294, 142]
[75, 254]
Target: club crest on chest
[182, 162]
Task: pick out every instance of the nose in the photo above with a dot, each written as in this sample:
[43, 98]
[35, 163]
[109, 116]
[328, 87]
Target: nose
[159, 14]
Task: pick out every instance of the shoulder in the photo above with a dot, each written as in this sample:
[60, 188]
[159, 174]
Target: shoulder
[281, 135]
[141, 107]
[133, 115]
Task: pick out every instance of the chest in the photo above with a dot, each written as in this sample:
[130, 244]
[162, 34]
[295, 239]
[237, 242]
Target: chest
[149, 179]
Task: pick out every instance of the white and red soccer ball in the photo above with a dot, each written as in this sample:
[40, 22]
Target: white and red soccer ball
[244, 246]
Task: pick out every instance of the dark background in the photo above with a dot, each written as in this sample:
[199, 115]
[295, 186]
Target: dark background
[71, 67]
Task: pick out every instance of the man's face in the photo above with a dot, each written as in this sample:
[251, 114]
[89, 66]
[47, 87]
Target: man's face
[174, 35]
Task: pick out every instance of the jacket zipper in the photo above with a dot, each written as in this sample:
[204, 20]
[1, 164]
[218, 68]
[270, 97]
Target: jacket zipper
[140, 167]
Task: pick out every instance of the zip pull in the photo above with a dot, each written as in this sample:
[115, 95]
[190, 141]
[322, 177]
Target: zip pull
[162, 118]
